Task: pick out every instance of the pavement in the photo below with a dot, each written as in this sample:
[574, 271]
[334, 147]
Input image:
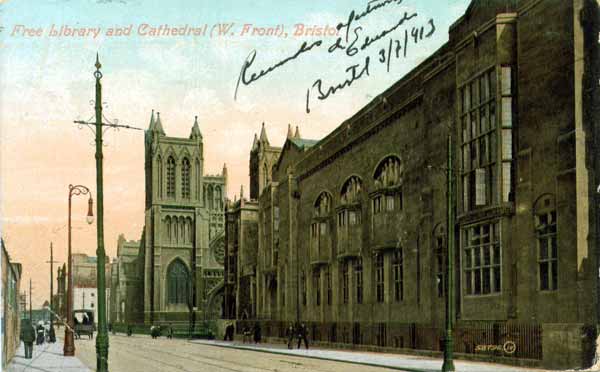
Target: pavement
[46, 358]
[385, 360]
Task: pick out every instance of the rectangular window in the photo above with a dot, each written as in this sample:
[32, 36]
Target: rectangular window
[358, 273]
[377, 205]
[379, 278]
[328, 283]
[353, 218]
[317, 286]
[480, 183]
[440, 253]
[547, 251]
[323, 229]
[482, 259]
[478, 150]
[276, 219]
[303, 288]
[342, 218]
[345, 290]
[397, 268]
[389, 203]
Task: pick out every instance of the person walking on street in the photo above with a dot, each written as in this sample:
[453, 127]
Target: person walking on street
[52, 334]
[170, 332]
[257, 333]
[290, 335]
[129, 330]
[40, 333]
[28, 336]
[303, 335]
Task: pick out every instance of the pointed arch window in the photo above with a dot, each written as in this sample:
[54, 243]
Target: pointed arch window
[219, 198]
[171, 177]
[197, 175]
[159, 167]
[177, 283]
[185, 178]
[210, 198]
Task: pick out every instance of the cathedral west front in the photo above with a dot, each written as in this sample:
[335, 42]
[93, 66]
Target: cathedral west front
[179, 265]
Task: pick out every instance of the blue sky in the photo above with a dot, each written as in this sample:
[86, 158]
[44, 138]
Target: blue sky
[47, 83]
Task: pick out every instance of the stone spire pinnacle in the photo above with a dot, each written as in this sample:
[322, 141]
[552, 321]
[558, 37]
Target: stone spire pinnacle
[255, 143]
[289, 133]
[263, 135]
[224, 170]
[157, 124]
[196, 130]
[151, 126]
[297, 134]
[241, 192]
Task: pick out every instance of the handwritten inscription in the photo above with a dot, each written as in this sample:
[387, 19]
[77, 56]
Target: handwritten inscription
[352, 39]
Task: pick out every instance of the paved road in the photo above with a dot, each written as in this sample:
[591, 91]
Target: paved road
[143, 354]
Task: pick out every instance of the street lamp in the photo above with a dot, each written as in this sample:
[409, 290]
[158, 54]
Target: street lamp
[69, 348]
[448, 365]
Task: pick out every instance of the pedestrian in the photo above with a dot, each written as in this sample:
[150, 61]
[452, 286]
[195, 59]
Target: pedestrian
[170, 332]
[290, 335]
[257, 333]
[229, 332]
[303, 336]
[129, 330]
[40, 333]
[28, 336]
[154, 331]
[52, 334]
[247, 334]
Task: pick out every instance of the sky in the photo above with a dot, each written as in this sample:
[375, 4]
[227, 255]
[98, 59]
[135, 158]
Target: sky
[47, 83]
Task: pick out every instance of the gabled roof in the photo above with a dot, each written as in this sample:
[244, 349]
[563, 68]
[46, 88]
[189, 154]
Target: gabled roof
[303, 143]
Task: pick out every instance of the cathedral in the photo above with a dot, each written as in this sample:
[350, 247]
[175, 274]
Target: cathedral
[180, 260]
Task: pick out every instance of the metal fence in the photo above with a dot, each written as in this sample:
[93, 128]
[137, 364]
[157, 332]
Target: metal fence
[502, 339]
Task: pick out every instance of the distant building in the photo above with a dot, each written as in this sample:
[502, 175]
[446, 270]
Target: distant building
[11, 309]
[352, 231]
[85, 289]
[126, 298]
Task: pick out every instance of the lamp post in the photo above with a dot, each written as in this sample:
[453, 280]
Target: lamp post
[448, 365]
[69, 348]
[102, 338]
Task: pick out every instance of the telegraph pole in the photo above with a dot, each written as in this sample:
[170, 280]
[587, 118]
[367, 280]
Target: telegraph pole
[51, 262]
[30, 308]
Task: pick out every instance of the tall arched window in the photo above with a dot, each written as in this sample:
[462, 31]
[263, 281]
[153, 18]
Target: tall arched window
[177, 283]
[218, 198]
[185, 178]
[210, 197]
[351, 190]
[175, 229]
[171, 177]
[168, 229]
[197, 175]
[159, 167]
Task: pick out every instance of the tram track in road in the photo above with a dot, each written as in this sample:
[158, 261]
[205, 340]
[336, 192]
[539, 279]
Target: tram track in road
[162, 352]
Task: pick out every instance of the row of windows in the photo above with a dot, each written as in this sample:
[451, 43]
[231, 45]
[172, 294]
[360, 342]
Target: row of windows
[482, 263]
[357, 267]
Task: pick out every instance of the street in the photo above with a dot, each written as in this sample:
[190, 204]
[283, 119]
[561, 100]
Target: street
[142, 354]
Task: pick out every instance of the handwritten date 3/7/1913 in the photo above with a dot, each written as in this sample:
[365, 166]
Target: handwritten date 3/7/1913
[396, 48]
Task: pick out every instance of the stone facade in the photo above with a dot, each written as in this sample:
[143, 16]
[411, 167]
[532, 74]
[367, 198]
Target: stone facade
[126, 283]
[11, 309]
[182, 250]
[352, 234]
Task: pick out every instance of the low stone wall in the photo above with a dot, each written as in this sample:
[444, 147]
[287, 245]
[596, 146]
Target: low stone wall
[568, 345]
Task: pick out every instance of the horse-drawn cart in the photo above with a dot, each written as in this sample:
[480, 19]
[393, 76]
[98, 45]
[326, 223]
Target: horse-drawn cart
[84, 323]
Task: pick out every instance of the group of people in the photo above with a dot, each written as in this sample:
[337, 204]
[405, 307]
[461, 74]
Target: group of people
[156, 331]
[300, 331]
[40, 334]
[255, 333]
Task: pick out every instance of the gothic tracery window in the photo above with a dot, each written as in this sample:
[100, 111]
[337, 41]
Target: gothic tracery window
[171, 177]
[351, 191]
[388, 173]
[177, 283]
[185, 178]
